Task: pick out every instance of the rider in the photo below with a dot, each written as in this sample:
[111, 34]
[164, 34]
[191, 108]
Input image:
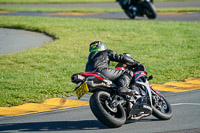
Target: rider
[99, 59]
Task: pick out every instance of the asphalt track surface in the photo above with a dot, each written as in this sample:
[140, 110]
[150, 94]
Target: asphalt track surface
[13, 40]
[186, 110]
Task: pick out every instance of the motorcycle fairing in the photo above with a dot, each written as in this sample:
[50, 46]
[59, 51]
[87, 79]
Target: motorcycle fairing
[137, 75]
[148, 89]
[95, 81]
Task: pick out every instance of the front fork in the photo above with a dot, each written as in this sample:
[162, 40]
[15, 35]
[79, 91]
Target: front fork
[148, 90]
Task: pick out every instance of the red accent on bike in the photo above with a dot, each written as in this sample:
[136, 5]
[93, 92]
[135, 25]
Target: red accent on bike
[120, 68]
[138, 72]
[155, 91]
[90, 74]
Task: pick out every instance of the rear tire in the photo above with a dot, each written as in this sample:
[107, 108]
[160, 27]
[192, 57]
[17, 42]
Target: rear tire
[129, 14]
[104, 114]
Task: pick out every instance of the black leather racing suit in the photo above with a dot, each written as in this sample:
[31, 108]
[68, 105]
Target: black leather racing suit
[99, 61]
[124, 4]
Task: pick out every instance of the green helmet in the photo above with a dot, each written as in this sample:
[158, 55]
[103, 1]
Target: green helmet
[97, 46]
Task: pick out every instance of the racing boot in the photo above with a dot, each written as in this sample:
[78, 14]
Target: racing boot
[124, 82]
[125, 91]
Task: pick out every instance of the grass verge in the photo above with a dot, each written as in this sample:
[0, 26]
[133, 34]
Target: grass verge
[69, 1]
[170, 51]
[54, 1]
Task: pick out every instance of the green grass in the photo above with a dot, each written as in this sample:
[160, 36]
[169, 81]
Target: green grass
[54, 1]
[69, 1]
[170, 51]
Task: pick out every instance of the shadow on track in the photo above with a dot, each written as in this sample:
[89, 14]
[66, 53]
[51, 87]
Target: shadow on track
[53, 126]
[60, 125]
[142, 120]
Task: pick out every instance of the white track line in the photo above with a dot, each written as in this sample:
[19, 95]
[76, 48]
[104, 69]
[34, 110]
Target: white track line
[177, 104]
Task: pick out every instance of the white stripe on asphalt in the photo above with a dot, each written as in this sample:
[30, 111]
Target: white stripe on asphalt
[177, 104]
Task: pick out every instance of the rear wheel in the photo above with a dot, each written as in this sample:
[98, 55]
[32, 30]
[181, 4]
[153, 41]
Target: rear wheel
[101, 107]
[161, 108]
[130, 14]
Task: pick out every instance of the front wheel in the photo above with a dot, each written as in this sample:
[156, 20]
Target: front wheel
[149, 10]
[161, 108]
[100, 105]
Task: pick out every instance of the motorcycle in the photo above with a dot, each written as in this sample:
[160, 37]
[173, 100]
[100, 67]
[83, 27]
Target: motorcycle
[112, 109]
[139, 8]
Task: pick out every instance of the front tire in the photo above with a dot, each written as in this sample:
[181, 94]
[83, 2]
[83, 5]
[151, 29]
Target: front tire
[112, 118]
[149, 10]
[162, 109]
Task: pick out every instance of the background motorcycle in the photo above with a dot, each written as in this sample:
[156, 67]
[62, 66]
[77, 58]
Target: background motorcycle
[112, 109]
[139, 8]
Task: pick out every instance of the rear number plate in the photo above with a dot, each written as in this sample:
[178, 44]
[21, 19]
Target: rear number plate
[82, 90]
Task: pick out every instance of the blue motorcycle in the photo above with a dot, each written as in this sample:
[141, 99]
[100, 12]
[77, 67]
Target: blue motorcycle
[139, 8]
